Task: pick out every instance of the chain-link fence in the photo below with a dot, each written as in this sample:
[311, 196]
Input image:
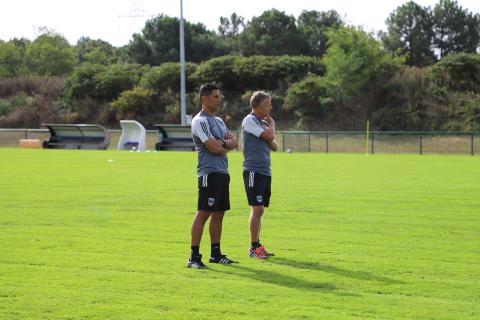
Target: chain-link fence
[316, 141]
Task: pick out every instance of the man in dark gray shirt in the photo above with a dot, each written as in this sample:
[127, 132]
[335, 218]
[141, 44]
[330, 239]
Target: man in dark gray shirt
[212, 142]
[258, 136]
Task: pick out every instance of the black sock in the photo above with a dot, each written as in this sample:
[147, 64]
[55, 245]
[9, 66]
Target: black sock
[215, 250]
[255, 245]
[195, 251]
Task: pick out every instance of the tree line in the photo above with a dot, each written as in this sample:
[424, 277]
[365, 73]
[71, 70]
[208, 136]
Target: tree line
[422, 73]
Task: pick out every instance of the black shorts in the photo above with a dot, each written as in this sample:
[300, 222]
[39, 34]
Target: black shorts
[258, 188]
[213, 192]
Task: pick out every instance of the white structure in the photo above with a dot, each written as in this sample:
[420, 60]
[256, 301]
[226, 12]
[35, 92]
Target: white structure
[133, 136]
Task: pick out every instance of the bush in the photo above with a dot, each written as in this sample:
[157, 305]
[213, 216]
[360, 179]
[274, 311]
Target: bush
[308, 100]
[218, 70]
[272, 73]
[36, 111]
[116, 78]
[457, 72]
[133, 103]
[167, 77]
[407, 103]
[82, 82]
[51, 86]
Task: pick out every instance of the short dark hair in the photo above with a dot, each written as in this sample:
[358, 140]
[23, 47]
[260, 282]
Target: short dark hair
[206, 89]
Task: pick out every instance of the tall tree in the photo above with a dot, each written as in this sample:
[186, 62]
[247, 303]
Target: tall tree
[50, 54]
[272, 33]
[231, 27]
[456, 29]
[410, 32]
[159, 42]
[353, 59]
[314, 25]
[12, 56]
[229, 31]
[95, 51]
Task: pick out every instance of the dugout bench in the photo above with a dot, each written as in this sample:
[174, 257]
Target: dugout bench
[77, 136]
[174, 137]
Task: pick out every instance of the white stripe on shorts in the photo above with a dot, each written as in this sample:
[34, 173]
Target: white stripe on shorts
[205, 181]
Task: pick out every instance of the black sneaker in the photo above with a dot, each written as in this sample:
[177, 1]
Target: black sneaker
[222, 259]
[196, 263]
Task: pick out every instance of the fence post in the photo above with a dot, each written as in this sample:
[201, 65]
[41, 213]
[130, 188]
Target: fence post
[283, 141]
[309, 134]
[373, 148]
[326, 142]
[421, 144]
[471, 144]
[26, 133]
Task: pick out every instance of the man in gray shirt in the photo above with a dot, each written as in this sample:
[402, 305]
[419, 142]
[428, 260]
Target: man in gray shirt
[258, 136]
[212, 142]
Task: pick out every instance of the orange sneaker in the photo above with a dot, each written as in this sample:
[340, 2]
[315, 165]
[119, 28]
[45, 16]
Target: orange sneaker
[258, 253]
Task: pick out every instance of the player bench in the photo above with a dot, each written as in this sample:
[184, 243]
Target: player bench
[76, 136]
[174, 137]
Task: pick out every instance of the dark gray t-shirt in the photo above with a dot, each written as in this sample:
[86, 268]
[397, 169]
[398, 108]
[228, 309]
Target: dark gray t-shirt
[205, 126]
[256, 151]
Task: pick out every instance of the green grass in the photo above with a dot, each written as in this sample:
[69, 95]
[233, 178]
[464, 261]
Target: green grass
[356, 237]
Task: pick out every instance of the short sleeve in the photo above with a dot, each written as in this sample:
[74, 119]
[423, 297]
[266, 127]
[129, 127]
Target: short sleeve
[251, 126]
[201, 129]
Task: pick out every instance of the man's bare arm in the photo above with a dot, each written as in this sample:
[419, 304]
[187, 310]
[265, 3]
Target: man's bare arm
[269, 134]
[215, 146]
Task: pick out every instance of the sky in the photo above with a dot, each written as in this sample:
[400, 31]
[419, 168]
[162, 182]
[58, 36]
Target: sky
[115, 21]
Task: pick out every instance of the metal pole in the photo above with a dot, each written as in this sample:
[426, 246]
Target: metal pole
[367, 136]
[183, 104]
[421, 144]
[373, 148]
[283, 141]
[471, 144]
[309, 148]
[326, 142]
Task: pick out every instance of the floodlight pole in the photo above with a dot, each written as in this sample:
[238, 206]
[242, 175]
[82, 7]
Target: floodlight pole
[183, 104]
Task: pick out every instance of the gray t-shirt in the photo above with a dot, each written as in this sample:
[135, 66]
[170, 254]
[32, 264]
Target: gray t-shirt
[205, 126]
[256, 151]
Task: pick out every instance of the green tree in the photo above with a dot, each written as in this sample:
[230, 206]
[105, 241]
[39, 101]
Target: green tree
[133, 103]
[116, 78]
[159, 42]
[82, 82]
[229, 31]
[50, 55]
[456, 29]
[308, 100]
[410, 33]
[96, 51]
[167, 77]
[12, 54]
[272, 33]
[231, 27]
[354, 58]
[314, 24]
[459, 72]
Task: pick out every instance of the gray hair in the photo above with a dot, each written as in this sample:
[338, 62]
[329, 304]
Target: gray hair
[257, 98]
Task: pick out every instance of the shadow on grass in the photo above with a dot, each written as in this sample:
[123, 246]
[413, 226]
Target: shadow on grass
[275, 278]
[359, 275]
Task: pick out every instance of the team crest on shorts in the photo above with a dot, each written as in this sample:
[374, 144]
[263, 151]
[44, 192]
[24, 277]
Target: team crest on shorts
[211, 201]
[259, 199]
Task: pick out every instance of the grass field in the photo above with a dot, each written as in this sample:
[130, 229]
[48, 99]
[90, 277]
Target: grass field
[355, 237]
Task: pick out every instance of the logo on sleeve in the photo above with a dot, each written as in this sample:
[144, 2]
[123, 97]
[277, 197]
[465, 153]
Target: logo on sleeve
[211, 201]
[259, 199]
